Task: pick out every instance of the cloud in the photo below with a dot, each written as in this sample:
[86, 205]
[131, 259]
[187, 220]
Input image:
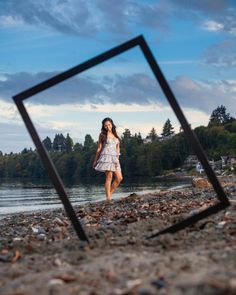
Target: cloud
[87, 18]
[77, 89]
[214, 16]
[8, 111]
[221, 55]
[206, 7]
[136, 88]
[10, 21]
[140, 89]
[213, 26]
[77, 17]
[65, 16]
[229, 22]
[205, 95]
[78, 120]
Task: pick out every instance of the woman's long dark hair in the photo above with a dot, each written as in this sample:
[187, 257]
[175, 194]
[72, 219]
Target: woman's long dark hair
[104, 131]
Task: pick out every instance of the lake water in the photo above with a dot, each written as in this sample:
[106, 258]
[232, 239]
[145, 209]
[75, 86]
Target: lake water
[21, 196]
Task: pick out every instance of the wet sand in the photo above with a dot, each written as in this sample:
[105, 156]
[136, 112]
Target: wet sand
[41, 254]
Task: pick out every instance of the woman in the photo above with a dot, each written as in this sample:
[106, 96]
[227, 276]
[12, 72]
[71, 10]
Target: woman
[107, 156]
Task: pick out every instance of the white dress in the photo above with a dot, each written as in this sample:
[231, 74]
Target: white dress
[109, 159]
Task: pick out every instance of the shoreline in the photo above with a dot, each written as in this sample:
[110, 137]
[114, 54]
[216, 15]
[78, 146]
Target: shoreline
[41, 254]
[116, 196]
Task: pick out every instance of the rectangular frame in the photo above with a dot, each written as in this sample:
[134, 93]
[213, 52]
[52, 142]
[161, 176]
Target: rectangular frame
[196, 146]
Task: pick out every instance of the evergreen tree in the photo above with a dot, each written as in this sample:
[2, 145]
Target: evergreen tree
[88, 142]
[69, 143]
[47, 144]
[168, 129]
[25, 151]
[126, 134]
[59, 143]
[219, 117]
[152, 135]
[138, 138]
[78, 147]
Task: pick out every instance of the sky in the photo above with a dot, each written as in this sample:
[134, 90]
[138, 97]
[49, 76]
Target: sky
[194, 43]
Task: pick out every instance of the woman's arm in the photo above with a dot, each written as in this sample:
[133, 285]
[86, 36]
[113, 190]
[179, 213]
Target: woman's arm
[98, 152]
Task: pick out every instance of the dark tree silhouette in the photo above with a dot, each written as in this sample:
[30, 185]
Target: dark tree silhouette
[168, 129]
[219, 117]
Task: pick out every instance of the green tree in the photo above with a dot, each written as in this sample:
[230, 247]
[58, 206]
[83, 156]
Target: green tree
[47, 144]
[139, 138]
[88, 142]
[154, 160]
[168, 129]
[69, 144]
[152, 135]
[78, 147]
[126, 134]
[59, 143]
[219, 117]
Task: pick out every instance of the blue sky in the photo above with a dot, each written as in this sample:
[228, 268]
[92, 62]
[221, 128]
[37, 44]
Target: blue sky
[193, 41]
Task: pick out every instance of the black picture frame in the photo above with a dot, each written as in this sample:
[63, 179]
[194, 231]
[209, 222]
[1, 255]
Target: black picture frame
[193, 141]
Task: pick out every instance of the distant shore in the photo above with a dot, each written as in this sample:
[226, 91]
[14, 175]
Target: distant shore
[41, 254]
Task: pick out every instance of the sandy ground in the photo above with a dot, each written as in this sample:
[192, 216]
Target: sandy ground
[41, 254]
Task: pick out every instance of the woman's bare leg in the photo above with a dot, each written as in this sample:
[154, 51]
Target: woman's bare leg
[116, 182]
[108, 181]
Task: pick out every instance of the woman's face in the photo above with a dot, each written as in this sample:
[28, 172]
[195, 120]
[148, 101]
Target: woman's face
[107, 125]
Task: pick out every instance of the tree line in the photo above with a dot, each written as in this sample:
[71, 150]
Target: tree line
[149, 156]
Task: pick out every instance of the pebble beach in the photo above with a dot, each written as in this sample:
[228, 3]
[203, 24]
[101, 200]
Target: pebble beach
[41, 254]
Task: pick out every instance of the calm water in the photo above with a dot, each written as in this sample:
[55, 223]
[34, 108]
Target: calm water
[19, 196]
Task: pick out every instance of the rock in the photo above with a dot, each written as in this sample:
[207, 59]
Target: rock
[159, 283]
[145, 291]
[221, 224]
[34, 229]
[6, 257]
[55, 282]
[133, 283]
[201, 183]
[67, 278]
[58, 221]
[41, 237]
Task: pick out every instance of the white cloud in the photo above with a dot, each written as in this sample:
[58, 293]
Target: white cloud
[196, 118]
[8, 111]
[213, 26]
[47, 111]
[88, 18]
[10, 21]
[205, 95]
[187, 84]
[3, 77]
[67, 118]
[121, 93]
